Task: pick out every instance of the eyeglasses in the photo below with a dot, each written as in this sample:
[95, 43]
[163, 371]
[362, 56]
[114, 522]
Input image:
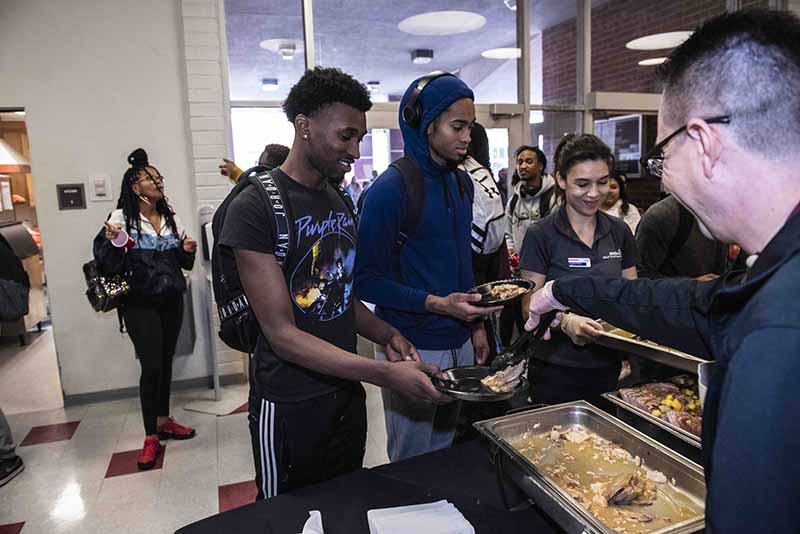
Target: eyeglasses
[653, 162]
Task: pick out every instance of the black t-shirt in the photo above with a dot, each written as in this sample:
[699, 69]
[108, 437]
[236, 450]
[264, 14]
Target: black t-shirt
[551, 247]
[318, 274]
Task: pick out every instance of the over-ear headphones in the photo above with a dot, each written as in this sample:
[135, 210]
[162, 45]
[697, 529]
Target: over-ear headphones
[412, 111]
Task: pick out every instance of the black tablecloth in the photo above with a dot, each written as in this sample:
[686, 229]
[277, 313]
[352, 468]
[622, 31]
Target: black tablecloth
[462, 474]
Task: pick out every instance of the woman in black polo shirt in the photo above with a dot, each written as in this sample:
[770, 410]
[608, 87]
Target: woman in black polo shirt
[577, 239]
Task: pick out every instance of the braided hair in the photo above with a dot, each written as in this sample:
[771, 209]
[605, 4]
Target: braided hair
[128, 200]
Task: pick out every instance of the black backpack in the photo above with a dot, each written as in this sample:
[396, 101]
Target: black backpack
[239, 328]
[412, 178]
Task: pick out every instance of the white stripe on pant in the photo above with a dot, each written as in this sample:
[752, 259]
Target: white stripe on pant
[269, 475]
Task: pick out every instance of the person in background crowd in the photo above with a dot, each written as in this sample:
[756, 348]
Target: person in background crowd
[577, 238]
[616, 203]
[502, 184]
[273, 156]
[671, 244]
[489, 255]
[158, 251]
[10, 464]
[307, 413]
[354, 189]
[727, 122]
[532, 198]
[420, 286]
[489, 258]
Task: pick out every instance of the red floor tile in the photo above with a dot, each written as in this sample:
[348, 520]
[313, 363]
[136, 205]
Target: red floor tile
[124, 463]
[235, 495]
[240, 409]
[50, 433]
[14, 528]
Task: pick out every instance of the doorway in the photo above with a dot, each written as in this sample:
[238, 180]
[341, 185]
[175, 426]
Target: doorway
[29, 372]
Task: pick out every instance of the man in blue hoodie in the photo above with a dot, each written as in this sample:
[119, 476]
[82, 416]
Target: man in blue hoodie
[419, 287]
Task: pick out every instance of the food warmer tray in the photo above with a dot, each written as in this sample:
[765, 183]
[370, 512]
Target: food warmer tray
[648, 349]
[676, 431]
[558, 504]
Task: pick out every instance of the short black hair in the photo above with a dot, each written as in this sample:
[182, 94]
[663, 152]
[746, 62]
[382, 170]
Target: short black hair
[273, 156]
[540, 157]
[745, 64]
[320, 87]
[479, 145]
[584, 147]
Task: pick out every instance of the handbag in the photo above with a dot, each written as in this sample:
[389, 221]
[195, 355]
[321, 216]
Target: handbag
[105, 292]
[13, 300]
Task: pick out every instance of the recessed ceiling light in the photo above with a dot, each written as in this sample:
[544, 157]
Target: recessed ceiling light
[502, 53]
[442, 23]
[287, 50]
[421, 56]
[281, 46]
[19, 113]
[658, 41]
[652, 61]
[269, 85]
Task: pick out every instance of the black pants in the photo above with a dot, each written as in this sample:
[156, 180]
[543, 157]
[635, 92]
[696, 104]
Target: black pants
[296, 444]
[154, 327]
[554, 384]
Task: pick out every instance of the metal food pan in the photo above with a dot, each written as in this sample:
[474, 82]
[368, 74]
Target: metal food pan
[687, 475]
[648, 349]
[676, 431]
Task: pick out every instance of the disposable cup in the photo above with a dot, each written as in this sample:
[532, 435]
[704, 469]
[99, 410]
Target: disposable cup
[121, 240]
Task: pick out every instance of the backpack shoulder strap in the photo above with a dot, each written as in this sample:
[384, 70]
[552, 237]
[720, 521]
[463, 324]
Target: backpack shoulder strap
[415, 197]
[348, 201]
[512, 204]
[546, 202]
[274, 196]
[682, 235]
[465, 185]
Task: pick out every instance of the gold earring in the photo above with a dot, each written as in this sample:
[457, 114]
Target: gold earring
[144, 199]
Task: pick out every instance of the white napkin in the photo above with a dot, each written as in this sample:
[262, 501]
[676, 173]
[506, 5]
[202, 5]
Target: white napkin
[313, 524]
[433, 518]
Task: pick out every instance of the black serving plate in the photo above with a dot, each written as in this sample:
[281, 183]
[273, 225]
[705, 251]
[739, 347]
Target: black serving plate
[464, 383]
[485, 291]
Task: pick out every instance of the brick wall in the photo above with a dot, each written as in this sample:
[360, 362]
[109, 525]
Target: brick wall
[202, 35]
[614, 67]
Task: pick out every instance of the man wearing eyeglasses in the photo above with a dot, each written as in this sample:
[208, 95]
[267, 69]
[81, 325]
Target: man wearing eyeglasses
[729, 151]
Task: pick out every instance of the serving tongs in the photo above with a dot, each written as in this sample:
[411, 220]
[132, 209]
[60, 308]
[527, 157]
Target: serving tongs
[524, 345]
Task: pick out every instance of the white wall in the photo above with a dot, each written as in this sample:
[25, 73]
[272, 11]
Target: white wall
[97, 79]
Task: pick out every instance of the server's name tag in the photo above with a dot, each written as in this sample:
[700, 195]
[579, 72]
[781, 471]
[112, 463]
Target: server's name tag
[580, 263]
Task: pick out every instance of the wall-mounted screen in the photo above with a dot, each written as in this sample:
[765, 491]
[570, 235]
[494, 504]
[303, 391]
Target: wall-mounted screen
[624, 136]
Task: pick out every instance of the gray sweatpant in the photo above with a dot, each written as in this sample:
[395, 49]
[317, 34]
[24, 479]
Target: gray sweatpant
[6, 443]
[414, 427]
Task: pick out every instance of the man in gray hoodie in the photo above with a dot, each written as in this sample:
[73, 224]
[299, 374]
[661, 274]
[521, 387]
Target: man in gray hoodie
[532, 198]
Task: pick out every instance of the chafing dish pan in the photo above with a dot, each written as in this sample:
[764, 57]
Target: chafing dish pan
[618, 339]
[501, 431]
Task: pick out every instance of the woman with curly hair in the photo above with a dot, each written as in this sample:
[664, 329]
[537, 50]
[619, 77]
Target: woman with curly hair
[156, 251]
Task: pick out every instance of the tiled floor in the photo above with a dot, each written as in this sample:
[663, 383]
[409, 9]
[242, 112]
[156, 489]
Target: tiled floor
[29, 378]
[81, 474]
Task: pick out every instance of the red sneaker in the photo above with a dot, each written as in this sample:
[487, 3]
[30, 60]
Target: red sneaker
[152, 448]
[172, 430]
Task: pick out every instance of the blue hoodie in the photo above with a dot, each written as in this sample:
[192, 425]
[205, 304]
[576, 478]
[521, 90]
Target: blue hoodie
[437, 259]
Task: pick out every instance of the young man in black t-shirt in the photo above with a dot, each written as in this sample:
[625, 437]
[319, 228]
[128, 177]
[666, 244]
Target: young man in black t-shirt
[307, 410]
